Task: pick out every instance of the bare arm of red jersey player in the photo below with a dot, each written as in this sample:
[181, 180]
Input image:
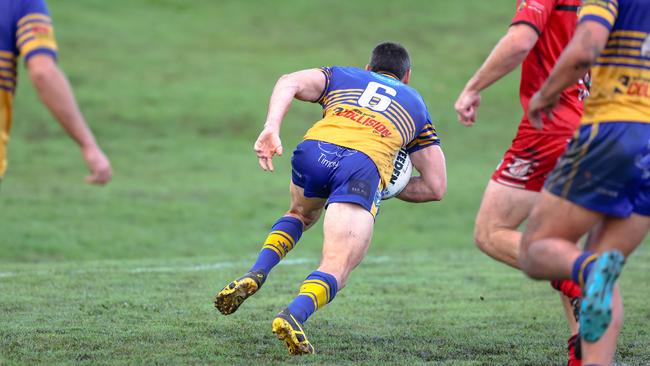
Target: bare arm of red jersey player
[587, 43]
[431, 185]
[511, 51]
[55, 92]
[306, 85]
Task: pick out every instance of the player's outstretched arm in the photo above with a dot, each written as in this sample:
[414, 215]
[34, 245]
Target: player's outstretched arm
[511, 51]
[587, 43]
[431, 185]
[306, 85]
[57, 95]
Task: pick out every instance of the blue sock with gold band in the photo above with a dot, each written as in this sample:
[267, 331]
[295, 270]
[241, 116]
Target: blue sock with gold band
[283, 237]
[318, 289]
[582, 267]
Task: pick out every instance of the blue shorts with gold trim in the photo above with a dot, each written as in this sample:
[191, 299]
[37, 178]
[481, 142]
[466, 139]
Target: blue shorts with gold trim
[606, 168]
[340, 174]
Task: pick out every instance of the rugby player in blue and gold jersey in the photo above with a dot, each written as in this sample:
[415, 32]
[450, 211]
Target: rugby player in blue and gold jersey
[604, 174]
[343, 164]
[26, 30]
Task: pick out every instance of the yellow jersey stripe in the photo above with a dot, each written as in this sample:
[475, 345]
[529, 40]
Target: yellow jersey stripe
[400, 123]
[342, 98]
[608, 13]
[340, 91]
[7, 64]
[29, 17]
[623, 60]
[622, 52]
[7, 54]
[7, 74]
[407, 120]
[407, 115]
[629, 34]
[27, 27]
[623, 42]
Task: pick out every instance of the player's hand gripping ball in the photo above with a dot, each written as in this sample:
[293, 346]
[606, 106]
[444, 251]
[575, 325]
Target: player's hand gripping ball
[402, 169]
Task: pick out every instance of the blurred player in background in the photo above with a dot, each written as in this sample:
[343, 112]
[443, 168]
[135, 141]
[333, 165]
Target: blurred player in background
[538, 33]
[344, 162]
[26, 30]
[604, 174]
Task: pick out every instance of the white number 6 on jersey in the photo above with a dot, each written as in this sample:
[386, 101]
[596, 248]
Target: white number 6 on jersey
[381, 101]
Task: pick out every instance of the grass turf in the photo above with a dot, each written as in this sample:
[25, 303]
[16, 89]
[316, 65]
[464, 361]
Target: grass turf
[176, 92]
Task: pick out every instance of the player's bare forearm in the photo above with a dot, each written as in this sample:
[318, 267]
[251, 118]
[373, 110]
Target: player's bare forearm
[418, 191]
[431, 185]
[581, 53]
[509, 53]
[55, 92]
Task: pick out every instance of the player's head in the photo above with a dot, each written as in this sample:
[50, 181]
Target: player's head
[391, 58]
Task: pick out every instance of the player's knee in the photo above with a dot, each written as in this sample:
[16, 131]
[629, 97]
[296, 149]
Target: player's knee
[482, 238]
[526, 265]
[307, 220]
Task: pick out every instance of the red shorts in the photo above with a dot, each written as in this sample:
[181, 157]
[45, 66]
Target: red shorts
[528, 161]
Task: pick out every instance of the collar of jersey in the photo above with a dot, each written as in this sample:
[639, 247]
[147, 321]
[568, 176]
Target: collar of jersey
[387, 74]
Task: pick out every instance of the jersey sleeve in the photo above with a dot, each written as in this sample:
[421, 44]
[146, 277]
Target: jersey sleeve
[427, 137]
[534, 13]
[604, 12]
[327, 71]
[34, 34]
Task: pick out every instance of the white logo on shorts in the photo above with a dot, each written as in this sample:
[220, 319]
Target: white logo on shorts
[520, 169]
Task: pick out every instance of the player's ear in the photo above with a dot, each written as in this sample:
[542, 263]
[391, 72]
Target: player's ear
[367, 68]
[407, 77]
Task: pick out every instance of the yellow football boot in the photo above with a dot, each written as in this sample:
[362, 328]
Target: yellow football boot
[289, 330]
[233, 295]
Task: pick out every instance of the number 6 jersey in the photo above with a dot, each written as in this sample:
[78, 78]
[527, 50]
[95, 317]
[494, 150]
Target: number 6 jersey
[373, 113]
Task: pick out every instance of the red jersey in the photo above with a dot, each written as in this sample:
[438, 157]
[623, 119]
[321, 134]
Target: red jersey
[555, 22]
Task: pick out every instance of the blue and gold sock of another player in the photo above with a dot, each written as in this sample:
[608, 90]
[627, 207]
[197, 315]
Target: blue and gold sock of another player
[582, 267]
[318, 289]
[283, 237]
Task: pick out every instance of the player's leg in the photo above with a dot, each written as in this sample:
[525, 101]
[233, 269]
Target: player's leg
[283, 237]
[347, 234]
[285, 233]
[308, 192]
[549, 242]
[508, 200]
[349, 220]
[633, 230]
[502, 210]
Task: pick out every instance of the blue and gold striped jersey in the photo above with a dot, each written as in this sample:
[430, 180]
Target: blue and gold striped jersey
[372, 113]
[620, 90]
[25, 30]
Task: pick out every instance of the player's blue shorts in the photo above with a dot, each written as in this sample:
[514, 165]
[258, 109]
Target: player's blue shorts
[337, 173]
[606, 168]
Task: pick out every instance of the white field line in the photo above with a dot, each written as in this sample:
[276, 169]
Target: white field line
[170, 268]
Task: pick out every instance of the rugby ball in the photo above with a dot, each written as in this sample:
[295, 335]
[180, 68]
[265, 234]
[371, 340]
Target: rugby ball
[402, 169]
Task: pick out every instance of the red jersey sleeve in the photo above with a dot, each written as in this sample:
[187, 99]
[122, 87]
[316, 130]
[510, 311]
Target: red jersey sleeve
[534, 13]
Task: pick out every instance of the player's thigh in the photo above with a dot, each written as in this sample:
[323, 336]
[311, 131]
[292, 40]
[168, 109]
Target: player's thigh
[621, 234]
[555, 217]
[347, 233]
[307, 209]
[504, 207]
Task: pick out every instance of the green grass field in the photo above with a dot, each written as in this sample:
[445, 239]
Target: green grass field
[176, 92]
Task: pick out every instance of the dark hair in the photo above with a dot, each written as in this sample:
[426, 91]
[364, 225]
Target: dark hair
[390, 57]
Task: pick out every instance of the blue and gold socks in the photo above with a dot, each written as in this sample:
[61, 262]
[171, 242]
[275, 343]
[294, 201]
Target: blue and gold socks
[283, 237]
[318, 289]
